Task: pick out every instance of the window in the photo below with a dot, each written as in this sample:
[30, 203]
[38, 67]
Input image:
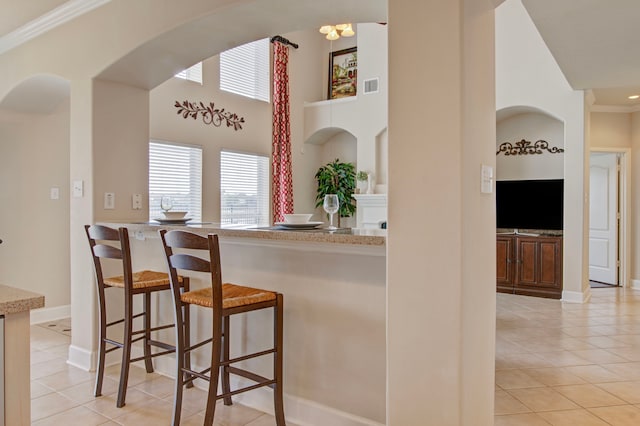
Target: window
[244, 70]
[194, 73]
[244, 189]
[175, 170]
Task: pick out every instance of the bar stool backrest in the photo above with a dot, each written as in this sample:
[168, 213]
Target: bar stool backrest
[191, 258]
[99, 251]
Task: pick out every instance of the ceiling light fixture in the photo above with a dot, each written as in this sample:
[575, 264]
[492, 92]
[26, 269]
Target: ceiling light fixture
[334, 32]
[634, 96]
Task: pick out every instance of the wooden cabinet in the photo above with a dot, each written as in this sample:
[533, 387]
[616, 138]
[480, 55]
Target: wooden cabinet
[529, 265]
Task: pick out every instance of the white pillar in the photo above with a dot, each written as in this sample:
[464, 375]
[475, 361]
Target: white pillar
[441, 243]
[109, 153]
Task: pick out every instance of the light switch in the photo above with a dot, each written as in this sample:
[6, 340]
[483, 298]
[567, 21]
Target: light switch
[486, 179]
[55, 193]
[109, 200]
[78, 188]
[136, 202]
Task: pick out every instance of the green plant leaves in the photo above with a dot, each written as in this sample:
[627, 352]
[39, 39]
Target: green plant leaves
[337, 178]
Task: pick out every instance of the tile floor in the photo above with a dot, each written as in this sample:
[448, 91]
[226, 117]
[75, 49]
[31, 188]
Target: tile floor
[63, 395]
[568, 364]
[556, 364]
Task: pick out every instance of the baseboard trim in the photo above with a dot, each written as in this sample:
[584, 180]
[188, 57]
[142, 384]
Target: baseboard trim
[635, 284]
[41, 315]
[576, 296]
[298, 410]
[81, 358]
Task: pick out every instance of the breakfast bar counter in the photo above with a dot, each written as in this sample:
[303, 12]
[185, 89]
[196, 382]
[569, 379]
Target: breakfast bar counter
[334, 287]
[15, 306]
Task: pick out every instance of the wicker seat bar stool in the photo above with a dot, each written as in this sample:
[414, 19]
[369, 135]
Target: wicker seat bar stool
[186, 251]
[111, 246]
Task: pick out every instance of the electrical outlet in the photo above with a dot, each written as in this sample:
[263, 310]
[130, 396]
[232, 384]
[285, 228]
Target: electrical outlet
[78, 188]
[109, 200]
[55, 193]
[136, 202]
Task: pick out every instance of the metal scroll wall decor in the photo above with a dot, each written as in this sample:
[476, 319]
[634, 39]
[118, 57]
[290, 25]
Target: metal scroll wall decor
[210, 114]
[525, 147]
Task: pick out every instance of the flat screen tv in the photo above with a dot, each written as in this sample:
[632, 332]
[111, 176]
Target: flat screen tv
[530, 204]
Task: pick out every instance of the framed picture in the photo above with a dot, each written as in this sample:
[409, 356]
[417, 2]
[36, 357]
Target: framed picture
[343, 73]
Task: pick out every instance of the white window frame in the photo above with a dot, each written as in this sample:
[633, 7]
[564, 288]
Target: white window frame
[193, 73]
[245, 173]
[175, 169]
[245, 70]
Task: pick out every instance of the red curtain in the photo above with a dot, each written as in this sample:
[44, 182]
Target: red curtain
[282, 187]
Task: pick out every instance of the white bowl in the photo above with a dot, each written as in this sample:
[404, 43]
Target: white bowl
[174, 215]
[297, 218]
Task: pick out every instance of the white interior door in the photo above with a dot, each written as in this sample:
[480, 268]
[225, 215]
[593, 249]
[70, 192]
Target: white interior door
[603, 218]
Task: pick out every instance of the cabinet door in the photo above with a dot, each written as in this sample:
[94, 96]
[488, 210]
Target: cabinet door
[550, 275]
[527, 253]
[539, 266]
[504, 267]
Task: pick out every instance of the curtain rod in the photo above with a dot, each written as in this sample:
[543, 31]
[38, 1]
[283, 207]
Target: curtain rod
[283, 40]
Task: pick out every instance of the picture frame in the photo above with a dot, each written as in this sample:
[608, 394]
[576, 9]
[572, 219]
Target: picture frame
[343, 73]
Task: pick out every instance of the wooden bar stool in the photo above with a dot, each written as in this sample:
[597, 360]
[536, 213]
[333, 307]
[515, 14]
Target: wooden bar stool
[225, 300]
[104, 242]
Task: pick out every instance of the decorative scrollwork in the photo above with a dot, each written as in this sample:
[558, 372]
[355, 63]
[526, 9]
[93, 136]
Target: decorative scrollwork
[210, 114]
[525, 148]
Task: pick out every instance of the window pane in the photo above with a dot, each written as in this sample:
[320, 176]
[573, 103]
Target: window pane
[175, 170]
[244, 70]
[244, 189]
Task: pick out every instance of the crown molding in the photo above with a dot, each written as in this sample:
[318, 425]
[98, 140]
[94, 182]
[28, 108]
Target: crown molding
[58, 16]
[615, 108]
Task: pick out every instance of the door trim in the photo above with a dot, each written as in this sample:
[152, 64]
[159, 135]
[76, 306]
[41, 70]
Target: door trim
[624, 197]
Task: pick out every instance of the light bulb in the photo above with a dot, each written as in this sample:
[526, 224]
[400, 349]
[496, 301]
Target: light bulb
[348, 32]
[326, 29]
[333, 35]
[342, 27]
[634, 97]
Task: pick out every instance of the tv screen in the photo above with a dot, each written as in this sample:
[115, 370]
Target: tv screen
[530, 204]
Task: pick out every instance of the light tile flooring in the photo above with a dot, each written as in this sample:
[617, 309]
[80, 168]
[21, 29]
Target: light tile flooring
[556, 364]
[568, 364]
[63, 395]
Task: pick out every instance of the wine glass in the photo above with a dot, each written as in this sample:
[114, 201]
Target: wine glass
[166, 203]
[331, 206]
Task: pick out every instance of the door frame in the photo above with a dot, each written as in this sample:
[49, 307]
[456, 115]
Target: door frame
[624, 197]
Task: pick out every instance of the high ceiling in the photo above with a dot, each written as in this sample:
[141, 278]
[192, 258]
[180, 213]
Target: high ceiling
[595, 42]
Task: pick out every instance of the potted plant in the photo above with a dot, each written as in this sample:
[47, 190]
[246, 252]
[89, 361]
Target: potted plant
[362, 177]
[340, 179]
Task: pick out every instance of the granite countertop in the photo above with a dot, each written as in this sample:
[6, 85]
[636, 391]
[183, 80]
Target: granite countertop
[533, 232]
[14, 300]
[354, 236]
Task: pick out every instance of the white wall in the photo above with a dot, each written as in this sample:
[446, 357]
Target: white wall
[34, 157]
[528, 76]
[530, 127]
[635, 196]
[610, 130]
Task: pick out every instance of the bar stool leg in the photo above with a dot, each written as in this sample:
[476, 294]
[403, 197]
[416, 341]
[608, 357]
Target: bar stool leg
[147, 334]
[126, 350]
[226, 337]
[102, 334]
[216, 353]
[187, 330]
[277, 361]
[180, 359]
